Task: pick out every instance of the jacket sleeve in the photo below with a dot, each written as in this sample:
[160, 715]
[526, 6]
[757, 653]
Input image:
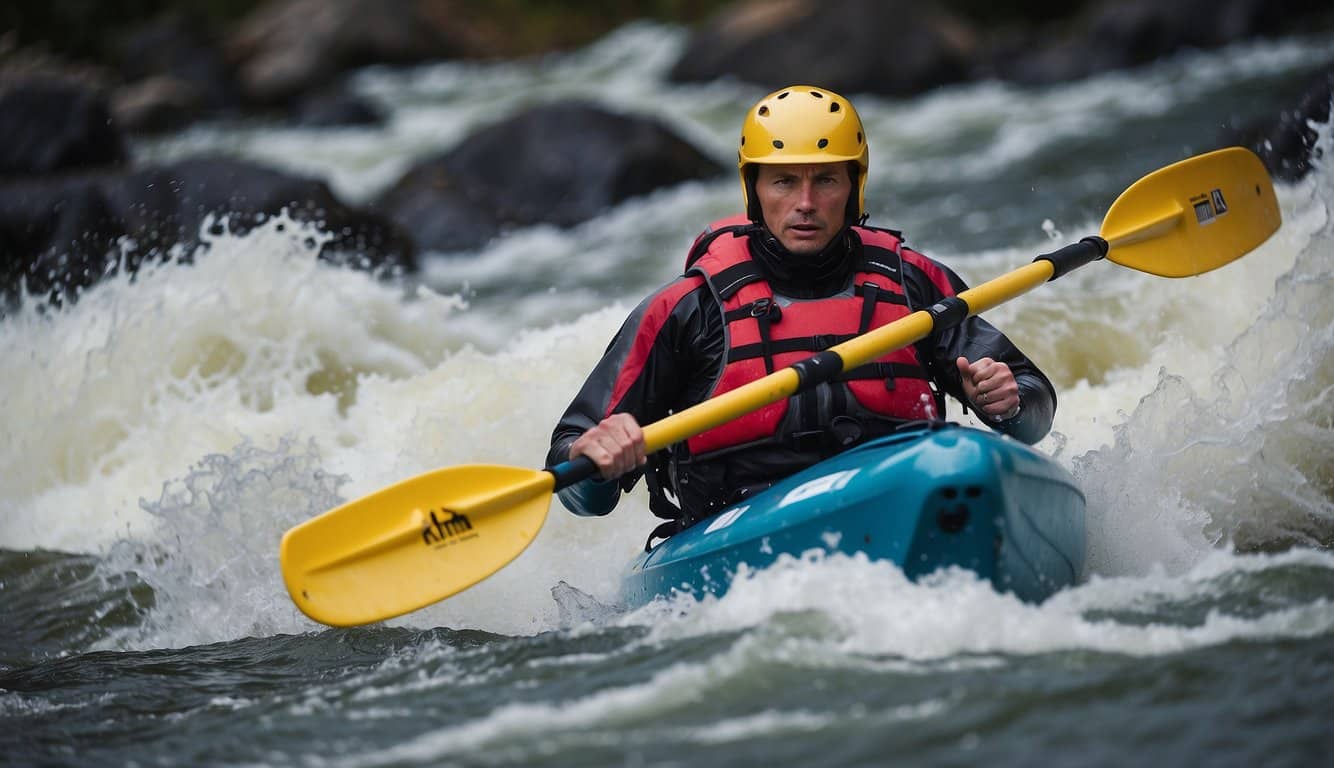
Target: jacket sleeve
[974, 339]
[645, 372]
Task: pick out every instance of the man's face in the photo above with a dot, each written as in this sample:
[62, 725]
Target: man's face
[804, 205]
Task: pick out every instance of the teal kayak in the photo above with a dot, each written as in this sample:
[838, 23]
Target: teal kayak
[930, 497]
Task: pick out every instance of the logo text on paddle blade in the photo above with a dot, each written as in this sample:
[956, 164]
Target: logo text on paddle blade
[1208, 206]
[446, 530]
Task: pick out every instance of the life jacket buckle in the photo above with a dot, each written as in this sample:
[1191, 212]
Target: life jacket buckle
[766, 308]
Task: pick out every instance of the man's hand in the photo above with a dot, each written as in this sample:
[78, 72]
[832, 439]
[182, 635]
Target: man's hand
[990, 387]
[615, 445]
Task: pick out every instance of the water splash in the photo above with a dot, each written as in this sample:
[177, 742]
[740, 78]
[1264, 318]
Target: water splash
[212, 559]
[1240, 451]
[855, 608]
[143, 375]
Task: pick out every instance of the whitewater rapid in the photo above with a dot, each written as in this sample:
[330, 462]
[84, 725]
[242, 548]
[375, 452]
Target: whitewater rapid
[175, 424]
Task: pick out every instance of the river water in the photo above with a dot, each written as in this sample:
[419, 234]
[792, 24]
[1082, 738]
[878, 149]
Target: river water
[160, 435]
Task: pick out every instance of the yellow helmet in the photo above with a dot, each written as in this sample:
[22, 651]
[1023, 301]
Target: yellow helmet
[802, 124]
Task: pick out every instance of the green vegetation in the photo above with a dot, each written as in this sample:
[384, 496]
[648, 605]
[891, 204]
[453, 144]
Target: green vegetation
[87, 29]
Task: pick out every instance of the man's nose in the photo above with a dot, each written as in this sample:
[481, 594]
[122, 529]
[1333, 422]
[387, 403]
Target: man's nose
[806, 196]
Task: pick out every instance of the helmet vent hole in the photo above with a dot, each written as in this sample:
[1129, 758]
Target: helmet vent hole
[834, 107]
[823, 143]
[859, 137]
[784, 94]
[764, 111]
[778, 144]
[817, 94]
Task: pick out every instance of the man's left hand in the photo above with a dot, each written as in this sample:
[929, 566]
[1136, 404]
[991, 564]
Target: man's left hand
[990, 386]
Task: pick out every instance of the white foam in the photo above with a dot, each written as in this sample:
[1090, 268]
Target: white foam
[870, 608]
[139, 379]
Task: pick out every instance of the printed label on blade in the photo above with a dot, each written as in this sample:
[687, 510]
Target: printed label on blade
[1208, 207]
[443, 531]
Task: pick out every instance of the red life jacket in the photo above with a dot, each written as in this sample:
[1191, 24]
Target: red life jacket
[765, 332]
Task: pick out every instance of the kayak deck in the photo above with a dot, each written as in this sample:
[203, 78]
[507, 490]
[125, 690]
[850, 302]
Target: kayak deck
[937, 496]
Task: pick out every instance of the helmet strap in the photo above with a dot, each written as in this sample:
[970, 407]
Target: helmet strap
[855, 215]
[753, 211]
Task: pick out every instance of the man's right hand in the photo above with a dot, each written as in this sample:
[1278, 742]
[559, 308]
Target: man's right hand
[615, 445]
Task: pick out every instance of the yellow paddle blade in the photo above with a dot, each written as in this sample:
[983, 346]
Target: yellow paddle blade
[1194, 215]
[413, 543]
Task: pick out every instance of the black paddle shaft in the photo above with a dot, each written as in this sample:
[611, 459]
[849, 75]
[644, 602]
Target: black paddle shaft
[567, 473]
[1072, 257]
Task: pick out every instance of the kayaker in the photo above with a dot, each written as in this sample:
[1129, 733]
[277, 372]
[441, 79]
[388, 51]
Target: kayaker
[798, 273]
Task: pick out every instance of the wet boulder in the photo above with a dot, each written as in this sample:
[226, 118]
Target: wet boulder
[443, 212]
[288, 47]
[335, 106]
[904, 48]
[50, 124]
[1118, 34]
[62, 234]
[56, 234]
[890, 47]
[181, 50]
[1286, 143]
[169, 204]
[558, 164]
[156, 105]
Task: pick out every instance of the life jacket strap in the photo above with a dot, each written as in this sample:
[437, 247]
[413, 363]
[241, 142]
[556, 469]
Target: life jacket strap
[702, 244]
[736, 277]
[765, 312]
[818, 343]
[870, 294]
[887, 371]
[888, 297]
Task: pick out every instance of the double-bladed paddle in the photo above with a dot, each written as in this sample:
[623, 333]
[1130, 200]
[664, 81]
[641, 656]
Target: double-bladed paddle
[426, 538]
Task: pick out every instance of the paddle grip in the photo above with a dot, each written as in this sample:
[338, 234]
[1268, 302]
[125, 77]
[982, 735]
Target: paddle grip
[817, 369]
[1072, 257]
[567, 473]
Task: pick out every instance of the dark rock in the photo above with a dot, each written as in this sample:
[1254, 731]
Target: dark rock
[168, 205]
[902, 48]
[156, 105]
[336, 106]
[1118, 34]
[56, 235]
[441, 215]
[180, 49]
[63, 234]
[292, 46]
[559, 164]
[891, 47]
[49, 124]
[1287, 144]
